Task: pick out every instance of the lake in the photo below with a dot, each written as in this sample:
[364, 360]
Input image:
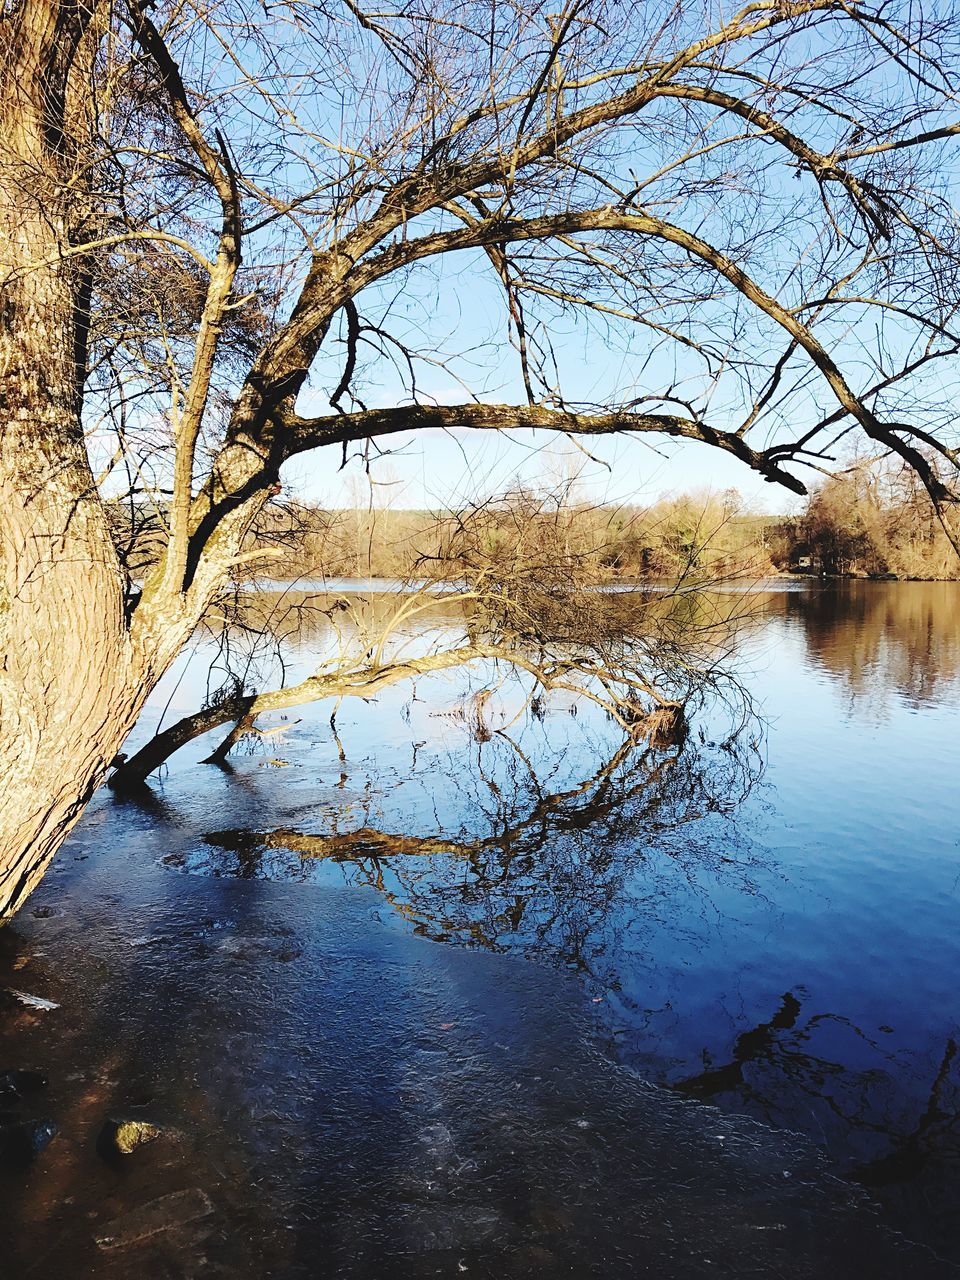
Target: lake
[447, 983]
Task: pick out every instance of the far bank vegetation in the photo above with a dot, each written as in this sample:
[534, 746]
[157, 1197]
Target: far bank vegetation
[867, 520]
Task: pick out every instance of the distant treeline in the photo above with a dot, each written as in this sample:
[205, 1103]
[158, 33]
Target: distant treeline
[868, 520]
[872, 519]
[709, 536]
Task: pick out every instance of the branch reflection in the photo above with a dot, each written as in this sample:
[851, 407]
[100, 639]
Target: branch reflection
[545, 872]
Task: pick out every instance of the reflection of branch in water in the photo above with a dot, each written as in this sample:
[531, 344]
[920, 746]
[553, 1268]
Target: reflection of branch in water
[936, 1128]
[791, 1071]
[783, 1068]
[368, 843]
[577, 872]
[747, 1047]
[550, 872]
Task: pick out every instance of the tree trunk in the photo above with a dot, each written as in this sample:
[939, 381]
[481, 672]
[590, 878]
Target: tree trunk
[70, 683]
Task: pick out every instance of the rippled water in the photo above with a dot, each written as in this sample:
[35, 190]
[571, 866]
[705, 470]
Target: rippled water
[397, 1040]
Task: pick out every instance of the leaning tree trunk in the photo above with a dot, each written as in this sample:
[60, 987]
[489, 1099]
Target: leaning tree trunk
[67, 690]
[68, 680]
[70, 685]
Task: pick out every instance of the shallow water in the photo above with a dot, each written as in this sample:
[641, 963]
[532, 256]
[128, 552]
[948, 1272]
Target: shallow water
[410, 998]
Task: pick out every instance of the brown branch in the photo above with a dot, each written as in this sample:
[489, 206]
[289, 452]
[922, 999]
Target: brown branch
[823, 167]
[302, 434]
[221, 172]
[610, 219]
[282, 366]
[365, 681]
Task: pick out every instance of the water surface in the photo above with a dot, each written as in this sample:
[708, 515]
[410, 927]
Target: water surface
[513, 931]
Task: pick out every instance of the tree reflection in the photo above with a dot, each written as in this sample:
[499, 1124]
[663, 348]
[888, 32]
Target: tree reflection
[595, 875]
[877, 638]
[936, 1133]
[793, 1072]
[539, 870]
[759, 1042]
[633, 876]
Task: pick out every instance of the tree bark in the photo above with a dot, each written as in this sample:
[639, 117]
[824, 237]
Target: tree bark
[69, 690]
[70, 684]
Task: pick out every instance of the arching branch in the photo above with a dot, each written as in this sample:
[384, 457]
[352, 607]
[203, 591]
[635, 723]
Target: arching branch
[302, 434]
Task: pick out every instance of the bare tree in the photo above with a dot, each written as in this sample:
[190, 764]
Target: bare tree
[211, 211]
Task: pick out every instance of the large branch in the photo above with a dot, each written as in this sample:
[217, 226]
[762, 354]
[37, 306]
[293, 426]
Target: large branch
[257, 464]
[513, 230]
[302, 434]
[825, 168]
[368, 679]
[187, 424]
[432, 184]
[362, 682]
[258, 457]
[421, 190]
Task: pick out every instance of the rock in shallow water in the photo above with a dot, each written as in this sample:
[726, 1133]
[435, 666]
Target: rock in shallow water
[122, 1137]
[24, 1139]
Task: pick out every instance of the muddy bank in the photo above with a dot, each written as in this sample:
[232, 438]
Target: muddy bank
[335, 1097]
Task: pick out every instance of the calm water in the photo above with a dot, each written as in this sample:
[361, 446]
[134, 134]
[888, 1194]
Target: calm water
[767, 927]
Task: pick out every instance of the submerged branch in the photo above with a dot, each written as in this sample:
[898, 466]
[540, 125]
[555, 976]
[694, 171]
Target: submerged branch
[241, 710]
